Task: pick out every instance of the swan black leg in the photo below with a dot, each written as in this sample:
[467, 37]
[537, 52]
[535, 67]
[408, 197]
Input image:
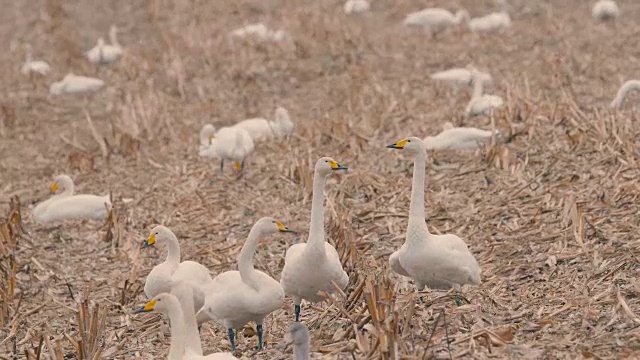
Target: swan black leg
[221, 164]
[297, 309]
[233, 344]
[259, 328]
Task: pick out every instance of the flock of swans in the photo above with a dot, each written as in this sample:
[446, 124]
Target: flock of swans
[186, 292]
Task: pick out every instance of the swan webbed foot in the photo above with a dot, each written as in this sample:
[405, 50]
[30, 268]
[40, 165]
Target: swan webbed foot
[233, 344]
[259, 329]
[297, 310]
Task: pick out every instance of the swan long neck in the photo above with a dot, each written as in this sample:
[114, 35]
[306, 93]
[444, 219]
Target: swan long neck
[69, 187]
[301, 352]
[184, 293]
[316, 229]
[416, 209]
[176, 320]
[477, 86]
[113, 37]
[623, 91]
[245, 259]
[173, 247]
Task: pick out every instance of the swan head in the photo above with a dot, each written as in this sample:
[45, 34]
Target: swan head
[269, 225]
[326, 165]
[161, 303]
[158, 234]
[206, 134]
[100, 41]
[63, 182]
[297, 334]
[411, 144]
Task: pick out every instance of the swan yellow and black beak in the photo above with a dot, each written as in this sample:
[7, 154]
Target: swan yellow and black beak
[335, 166]
[150, 241]
[399, 145]
[54, 187]
[283, 228]
[147, 307]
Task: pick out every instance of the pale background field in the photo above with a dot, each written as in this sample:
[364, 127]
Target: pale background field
[552, 216]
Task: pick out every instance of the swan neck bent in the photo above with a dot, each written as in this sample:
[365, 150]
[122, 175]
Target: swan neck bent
[316, 229]
[173, 250]
[176, 320]
[245, 259]
[113, 37]
[69, 187]
[624, 90]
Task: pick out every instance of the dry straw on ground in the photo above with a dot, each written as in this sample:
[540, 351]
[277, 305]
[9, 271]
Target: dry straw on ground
[552, 215]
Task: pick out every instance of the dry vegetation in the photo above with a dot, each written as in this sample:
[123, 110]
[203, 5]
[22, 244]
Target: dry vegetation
[552, 216]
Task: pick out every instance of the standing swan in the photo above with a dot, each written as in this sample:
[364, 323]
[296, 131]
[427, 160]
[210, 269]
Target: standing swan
[236, 298]
[312, 266]
[167, 304]
[623, 91]
[298, 335]
[172, 270]
[481, 104]
[228, 143]
[439, 262]
[102, 53]
[435, 20]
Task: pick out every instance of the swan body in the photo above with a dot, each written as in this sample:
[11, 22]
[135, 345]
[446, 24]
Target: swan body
[163, 275]
[435, 19]
[356, 6]
[235, 298]
[31, 66]
[460, 76]
[103, 53]
[260, 31]
[73, 84]
[228, 143]
[440, 262]
[262, 129]
[493, 21]
[298, 335]
[628, 86]
[67, 206]
[605, 10]
[481, 104]
[312, 266]
[184, 332]
[459, 138]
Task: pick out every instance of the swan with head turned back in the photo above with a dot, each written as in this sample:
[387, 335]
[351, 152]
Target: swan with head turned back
[67, 206]
[102, 53]
[74, 84]
[171, 270]
[315, 265]
[228, 143]
[184, 333]
[235, 298]
[458, 138]
[631, 85]
[440, 262]
[435, 20]
[481, 104]
[298, 335]
[31, 66]
[604, 10]
[262, 129]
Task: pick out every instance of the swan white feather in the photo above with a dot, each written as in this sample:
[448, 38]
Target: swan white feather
[228, 143]
[493, 21]
[73, 84]
[262, 129]
[604, 10]
[34, 66]
[631, 85]
[460, 76]
[356, 6]
[435, 19]
[481, 104]
[440, 262]
[103, 53]
[458, 138]
[259, 31]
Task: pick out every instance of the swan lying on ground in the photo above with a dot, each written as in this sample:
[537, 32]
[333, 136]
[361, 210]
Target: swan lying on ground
[31, 66]
[262, 129]
[356, 6]
[481, 104]
[67, 206]
[631, 85]
[435, 20]
[73, 84]
[102, 53]
[493, 21]
[458, 138]
[440, 262]
[228, 143]
[259, 31]
[605, 10]
[460, 76]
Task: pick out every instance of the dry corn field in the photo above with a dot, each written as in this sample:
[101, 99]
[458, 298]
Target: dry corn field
[551, 212]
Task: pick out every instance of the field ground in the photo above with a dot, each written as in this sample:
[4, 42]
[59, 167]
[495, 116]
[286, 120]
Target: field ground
[552, 215]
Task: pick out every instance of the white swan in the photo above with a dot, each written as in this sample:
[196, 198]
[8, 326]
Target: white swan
[312, 266]
[460, 76]
[31, 66]
[262, 129]
[102, 53]
[458, 138]
[435, 19]
[481, 104]
[298, 335]
[260, 31]
[356, 6]
[236, 298]
[628, 86]
[171, 270]
[440, 262]
[73, 84]
[493, 21]
[228, 143]
[182, 330]
[67, 206]
[605, 10]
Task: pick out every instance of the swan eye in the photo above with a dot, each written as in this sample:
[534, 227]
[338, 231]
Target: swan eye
[156, 233]
[408, 140]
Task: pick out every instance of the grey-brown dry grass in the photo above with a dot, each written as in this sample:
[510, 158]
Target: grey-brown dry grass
[552, 216]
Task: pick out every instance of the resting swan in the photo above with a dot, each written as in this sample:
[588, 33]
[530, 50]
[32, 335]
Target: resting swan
[481, 104]
[184, 333]
[440, 262]
[458, 138]
[435, 19]
[262, 129]
[312, 266]
[605, 10]
[298, 335]
[67, 206]
[73, 84]
[31, 66]
[171, 270]
[356, 6]
[623, 91]
[102, 53]
[235, 298]
[260, 31]
[460, 76]
[228, 143]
